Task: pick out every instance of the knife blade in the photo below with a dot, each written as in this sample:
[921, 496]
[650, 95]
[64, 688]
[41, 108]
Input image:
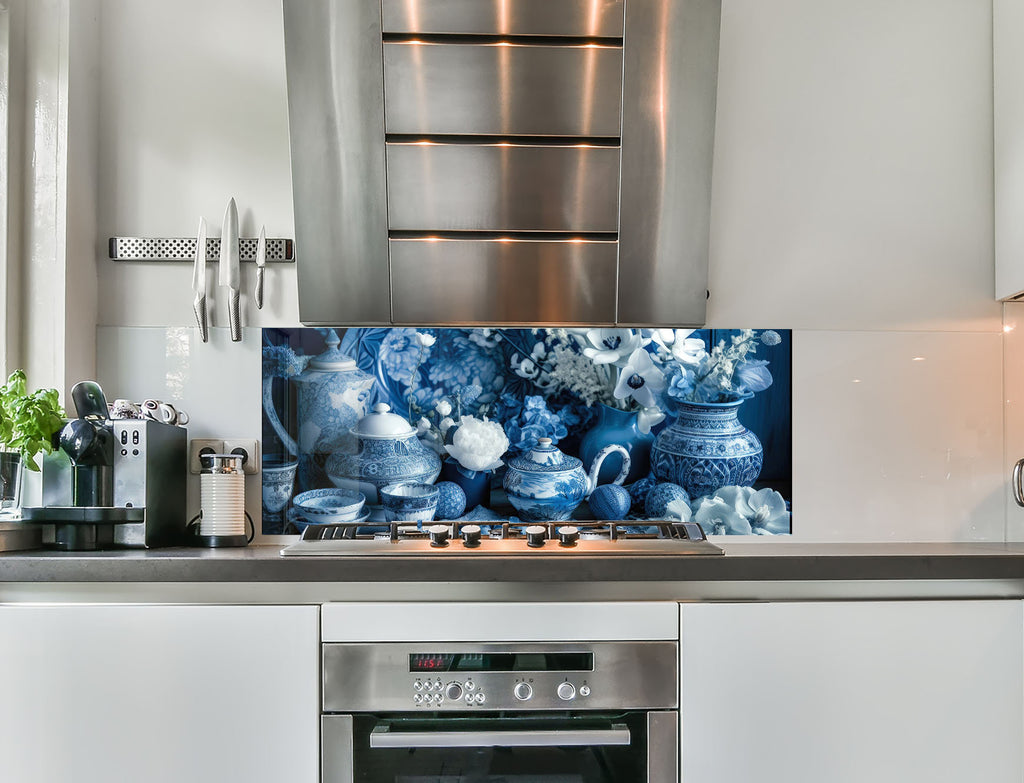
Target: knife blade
[261, 262]
[229, 274]
[199, 282]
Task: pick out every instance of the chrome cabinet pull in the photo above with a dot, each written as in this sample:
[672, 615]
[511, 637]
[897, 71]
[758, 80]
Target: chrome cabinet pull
[383, 737]
[1018, 489]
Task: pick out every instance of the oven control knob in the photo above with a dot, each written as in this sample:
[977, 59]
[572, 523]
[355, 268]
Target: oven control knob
[535, 535]
[522, 691]
[566, 691]
[568, 535]
[584, 690]
[470, 535]
[470, 685]
[453, 691]
[438, 535]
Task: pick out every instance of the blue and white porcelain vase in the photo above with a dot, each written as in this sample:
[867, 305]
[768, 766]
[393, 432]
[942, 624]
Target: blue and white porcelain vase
[381, 449]
[707, 448]
[475, 483]
[545, 485]
[617, 426]
[332, 396]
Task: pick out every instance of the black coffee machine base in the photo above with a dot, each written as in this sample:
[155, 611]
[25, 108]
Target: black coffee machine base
[82, 528]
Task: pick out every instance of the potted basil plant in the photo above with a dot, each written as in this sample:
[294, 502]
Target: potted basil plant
[28, 423]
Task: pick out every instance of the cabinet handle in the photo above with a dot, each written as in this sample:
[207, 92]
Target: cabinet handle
[1018, 489]
[382, 737]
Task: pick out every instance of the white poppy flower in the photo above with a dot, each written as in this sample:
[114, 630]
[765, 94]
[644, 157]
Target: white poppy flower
[425, 340]
[640, 379]
[443, 408]
[611, 346]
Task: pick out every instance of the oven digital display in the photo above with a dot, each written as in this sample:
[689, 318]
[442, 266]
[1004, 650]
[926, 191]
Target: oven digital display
[502, 662]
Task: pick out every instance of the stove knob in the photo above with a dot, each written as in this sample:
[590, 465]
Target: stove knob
[535, 535]
[453, 691]
[522, 691]
[566, 691]
[568, 535]
[438, 535]
[471, 535]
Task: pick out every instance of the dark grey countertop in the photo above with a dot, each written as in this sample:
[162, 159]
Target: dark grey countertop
[743, 562]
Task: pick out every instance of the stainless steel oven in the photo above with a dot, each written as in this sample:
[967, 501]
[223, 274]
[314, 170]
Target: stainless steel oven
[518, 712]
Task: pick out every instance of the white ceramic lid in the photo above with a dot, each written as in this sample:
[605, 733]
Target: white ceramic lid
[381, 423]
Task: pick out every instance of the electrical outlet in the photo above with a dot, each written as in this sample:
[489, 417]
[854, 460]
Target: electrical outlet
[249, 448]
[199, 446]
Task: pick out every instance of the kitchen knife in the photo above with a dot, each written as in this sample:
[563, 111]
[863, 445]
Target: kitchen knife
[229, 275]
[199, 281]
[261, 261]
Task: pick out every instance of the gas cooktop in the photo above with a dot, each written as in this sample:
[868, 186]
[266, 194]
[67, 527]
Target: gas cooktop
[455, 539]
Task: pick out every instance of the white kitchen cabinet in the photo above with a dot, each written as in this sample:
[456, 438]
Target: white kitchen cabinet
[886, 692]
[159, 694]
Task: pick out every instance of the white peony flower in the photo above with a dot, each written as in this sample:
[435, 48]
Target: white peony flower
[478, 444]
[443, 408]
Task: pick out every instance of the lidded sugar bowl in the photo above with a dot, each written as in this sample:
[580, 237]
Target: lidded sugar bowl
[546, 485]
[381, 449]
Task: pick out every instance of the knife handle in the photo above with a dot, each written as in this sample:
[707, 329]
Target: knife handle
[199, 306]
[258, 294]
[234, 317]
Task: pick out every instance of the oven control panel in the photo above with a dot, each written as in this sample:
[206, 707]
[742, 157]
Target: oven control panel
[533, 692]
[481, 677]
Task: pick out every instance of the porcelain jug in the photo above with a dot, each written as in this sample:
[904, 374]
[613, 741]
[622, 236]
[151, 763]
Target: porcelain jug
[332, 396]
[546, 485]
[381, 449]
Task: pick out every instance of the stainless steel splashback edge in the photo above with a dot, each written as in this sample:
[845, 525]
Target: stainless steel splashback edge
[668, 134]
[336, 131]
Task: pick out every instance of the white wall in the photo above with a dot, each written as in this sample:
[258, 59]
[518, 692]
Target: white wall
[852, 203]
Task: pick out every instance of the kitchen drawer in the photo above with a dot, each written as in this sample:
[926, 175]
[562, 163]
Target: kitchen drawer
[503, 281]
[502, 89]
[597, 18]
[502, 187]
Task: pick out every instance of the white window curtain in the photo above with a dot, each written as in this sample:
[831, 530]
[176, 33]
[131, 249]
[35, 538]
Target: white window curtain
[48, 130]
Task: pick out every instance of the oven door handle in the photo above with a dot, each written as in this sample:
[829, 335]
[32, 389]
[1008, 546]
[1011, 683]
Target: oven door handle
[382, 737]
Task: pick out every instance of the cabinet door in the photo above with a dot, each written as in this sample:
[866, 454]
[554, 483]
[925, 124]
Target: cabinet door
[159, 694]
[852, 692]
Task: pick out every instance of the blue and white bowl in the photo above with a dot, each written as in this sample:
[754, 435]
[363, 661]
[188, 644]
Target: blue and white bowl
[329, 505]
[301, 522]
[409, 502]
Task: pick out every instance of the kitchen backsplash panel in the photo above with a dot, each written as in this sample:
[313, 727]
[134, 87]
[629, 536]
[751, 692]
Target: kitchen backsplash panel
[583, 389]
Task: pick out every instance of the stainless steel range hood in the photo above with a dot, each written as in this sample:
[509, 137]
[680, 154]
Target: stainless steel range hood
[502, 161]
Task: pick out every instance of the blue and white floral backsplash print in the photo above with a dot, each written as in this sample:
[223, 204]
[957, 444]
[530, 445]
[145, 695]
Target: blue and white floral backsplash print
[705, 415]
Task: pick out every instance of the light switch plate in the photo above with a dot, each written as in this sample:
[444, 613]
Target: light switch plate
[197, 446]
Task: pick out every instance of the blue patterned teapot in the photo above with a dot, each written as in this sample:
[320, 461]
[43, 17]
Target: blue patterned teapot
[546, 485]
[381, 449]
[332, 396]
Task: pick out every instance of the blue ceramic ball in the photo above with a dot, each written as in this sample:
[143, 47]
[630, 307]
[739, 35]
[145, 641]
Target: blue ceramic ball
[451, 500]
[656, 505]
[609, 502]
[638, 491]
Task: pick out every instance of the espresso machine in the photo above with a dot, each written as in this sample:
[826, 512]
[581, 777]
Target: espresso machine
[112, 483]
